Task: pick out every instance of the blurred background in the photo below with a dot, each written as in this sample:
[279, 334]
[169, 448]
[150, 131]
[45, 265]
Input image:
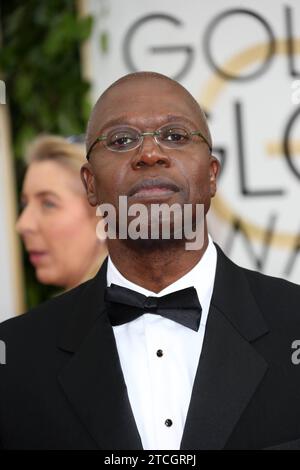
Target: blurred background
[241, 61]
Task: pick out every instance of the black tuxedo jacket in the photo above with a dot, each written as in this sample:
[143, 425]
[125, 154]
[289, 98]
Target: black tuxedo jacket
[62, 386]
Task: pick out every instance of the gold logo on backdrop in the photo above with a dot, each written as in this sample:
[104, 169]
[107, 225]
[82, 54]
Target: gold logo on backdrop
[212, 90]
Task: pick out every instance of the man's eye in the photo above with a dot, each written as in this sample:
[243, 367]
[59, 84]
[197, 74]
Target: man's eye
[121, 140]
[176, 135]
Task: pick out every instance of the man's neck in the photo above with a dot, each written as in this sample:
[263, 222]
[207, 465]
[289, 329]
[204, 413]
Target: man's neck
[155, 266]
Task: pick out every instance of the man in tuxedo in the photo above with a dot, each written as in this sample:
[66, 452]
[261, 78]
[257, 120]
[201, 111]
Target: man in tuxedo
[166, 348]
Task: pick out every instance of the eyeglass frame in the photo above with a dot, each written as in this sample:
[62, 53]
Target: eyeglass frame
[103, 137]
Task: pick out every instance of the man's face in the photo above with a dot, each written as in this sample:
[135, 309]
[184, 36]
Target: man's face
[189, 172]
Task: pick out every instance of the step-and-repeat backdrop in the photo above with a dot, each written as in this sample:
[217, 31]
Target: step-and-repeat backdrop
[241, 61]
[11, 285]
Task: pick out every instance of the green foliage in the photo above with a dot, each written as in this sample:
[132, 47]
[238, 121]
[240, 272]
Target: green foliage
[40, 64]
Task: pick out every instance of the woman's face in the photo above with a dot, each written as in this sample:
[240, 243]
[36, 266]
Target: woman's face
[57, 225]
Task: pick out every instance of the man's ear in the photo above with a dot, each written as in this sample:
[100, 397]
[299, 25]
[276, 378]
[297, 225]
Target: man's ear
[213, 174]
[88, 179]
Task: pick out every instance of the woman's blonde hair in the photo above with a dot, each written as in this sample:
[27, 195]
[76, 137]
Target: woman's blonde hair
[71, 155]
[57, 149]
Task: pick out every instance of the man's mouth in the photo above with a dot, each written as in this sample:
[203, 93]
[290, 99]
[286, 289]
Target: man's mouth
[153, 188]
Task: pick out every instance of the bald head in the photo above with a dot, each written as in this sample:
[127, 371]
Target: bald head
[135, 82]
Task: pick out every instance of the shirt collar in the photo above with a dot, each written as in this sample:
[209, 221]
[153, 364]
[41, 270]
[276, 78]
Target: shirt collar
[201, 276]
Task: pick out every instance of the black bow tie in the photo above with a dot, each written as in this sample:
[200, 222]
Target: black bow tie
[125, 305]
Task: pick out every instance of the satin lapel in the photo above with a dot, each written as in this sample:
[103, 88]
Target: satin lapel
[92, 379]
[230, 369]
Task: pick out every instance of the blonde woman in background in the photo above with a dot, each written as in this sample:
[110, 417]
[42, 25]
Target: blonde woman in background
[57, 224]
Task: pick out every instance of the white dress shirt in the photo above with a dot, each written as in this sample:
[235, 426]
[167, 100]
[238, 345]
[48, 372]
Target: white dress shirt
[159, 357]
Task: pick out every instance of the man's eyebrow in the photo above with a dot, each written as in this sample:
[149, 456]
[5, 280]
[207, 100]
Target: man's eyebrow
[125, 120]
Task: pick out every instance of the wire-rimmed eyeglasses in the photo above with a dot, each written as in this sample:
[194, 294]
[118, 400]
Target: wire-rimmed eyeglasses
[126, 138]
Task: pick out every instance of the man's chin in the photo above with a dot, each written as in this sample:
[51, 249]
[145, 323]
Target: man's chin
[150, 245]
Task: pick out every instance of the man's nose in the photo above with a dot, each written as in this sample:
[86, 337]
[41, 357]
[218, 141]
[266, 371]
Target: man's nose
[26, 222]
[150, 153]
